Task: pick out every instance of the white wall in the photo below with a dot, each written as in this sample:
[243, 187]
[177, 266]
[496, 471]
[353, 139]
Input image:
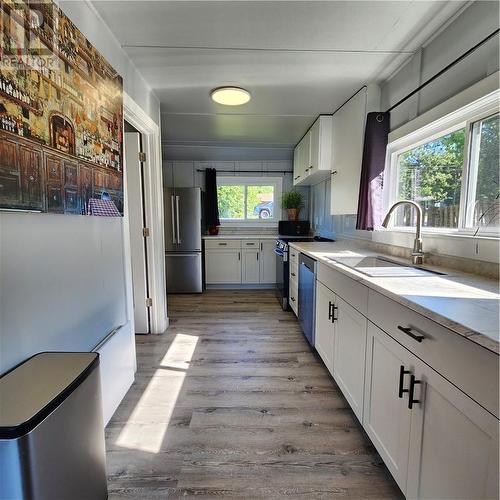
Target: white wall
[62, 280]
[471, 26]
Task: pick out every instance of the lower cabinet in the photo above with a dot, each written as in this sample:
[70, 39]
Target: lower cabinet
[267, 261]
[325, 324]
[231, 261]
[223, 266]
[386, 417]
[349, 354]
[250, 266]
[453, 442]
[436, 441]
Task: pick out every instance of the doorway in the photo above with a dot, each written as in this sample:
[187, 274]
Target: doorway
[138, 228]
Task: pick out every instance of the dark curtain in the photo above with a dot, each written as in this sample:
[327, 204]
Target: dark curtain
[211, 206]
[370, 202]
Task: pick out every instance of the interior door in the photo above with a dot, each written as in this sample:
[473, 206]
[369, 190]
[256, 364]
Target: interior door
[136, 223]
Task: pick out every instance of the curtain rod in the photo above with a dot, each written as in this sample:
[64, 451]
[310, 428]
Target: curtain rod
[445, 69]
[249, 171]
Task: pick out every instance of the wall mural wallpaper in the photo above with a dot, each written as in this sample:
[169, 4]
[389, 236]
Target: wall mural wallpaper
[61, 116]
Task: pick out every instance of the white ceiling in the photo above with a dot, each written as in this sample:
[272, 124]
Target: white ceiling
[298, 59]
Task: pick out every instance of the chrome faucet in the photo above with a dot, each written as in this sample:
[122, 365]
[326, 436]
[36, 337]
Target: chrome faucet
[417, 255]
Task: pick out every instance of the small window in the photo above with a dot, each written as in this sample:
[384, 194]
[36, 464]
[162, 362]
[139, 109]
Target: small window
[431, 175]
[249, 200]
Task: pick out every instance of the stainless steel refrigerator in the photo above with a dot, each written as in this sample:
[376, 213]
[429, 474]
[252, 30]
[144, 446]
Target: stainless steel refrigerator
[183, 226]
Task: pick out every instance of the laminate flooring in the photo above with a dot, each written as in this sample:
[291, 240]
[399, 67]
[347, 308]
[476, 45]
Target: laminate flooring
[232, 402]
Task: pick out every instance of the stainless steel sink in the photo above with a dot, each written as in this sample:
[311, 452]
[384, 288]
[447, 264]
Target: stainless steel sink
[382, 267]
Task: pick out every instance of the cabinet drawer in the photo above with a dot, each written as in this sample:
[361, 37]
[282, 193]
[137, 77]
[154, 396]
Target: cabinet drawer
[294, 270]
[348, 289]
[250, 244]
[293, 295]
[470, 367]
[222, 244]
[293, 255]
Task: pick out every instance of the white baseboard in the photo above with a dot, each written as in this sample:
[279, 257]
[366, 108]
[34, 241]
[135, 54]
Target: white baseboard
[241, 286]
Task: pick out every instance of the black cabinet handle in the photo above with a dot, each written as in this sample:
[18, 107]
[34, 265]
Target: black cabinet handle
[402, 373]
[330, 309]
[257, 255]
[239, 256]
[334, 308]
[414, 336]
[413, 383]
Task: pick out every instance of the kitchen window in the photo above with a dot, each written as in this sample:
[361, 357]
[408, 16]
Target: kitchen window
[451, 169]
[249, 200]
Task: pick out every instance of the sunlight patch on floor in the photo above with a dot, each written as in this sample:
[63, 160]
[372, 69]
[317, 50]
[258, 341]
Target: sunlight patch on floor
[161, 392]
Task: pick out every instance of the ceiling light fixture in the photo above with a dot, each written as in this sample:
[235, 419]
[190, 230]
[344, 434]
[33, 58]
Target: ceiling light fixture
[230, 96]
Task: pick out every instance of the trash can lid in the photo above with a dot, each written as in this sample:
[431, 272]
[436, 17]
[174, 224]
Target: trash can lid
[35, 387]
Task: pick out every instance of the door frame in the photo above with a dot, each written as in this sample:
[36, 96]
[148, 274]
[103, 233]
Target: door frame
[153, 207]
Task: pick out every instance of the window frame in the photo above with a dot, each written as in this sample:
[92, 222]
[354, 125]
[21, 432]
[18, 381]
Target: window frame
[276, 182]
[464, 117]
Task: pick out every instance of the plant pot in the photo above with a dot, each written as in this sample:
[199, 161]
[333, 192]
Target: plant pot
[213, 230]
[293, 213]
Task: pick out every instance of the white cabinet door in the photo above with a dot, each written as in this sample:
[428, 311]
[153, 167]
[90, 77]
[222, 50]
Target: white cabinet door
[325, 329]
[267, 261]
[386, 417]
[453, 442]
[348, 138]
[314, 147]
[222, 266]
[349, 355]
[250, 266]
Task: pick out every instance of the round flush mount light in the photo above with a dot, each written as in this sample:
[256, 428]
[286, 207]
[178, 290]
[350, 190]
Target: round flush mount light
[230, 96]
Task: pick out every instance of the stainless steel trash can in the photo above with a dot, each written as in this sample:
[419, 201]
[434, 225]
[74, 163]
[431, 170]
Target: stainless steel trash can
[51, 429]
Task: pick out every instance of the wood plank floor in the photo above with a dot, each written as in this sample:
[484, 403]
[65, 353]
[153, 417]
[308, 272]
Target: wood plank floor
[232, 402]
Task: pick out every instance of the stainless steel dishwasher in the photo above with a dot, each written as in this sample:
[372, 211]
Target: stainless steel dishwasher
[307, 296]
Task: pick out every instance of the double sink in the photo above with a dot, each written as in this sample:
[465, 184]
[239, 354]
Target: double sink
[381, 267]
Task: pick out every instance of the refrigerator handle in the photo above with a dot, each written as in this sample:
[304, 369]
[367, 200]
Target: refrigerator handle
[173, 219]
[177, 220]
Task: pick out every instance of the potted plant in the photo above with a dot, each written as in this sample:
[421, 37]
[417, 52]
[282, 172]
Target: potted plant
[292, 201]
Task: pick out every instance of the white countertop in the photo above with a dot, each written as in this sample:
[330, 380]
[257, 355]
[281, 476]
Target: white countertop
[241, 237]
[464, 303]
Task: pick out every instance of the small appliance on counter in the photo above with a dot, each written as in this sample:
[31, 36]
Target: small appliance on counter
[294, 228]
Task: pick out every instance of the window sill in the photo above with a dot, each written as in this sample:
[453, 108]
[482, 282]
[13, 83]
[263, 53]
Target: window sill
[437, 233]
[249, 224]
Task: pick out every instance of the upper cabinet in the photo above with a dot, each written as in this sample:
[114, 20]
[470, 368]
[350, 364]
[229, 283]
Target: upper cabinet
[312, 157]
[348, 137]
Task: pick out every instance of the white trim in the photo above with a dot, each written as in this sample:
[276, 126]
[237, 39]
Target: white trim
[461, 118]
[277, 182]
[153, 198]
